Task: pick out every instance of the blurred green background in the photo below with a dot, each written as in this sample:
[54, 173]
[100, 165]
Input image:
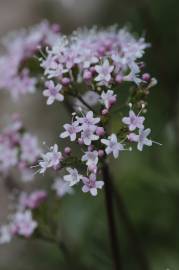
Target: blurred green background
[148, 181]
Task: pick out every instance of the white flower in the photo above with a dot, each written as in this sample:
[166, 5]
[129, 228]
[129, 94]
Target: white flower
[23, 223]
[133, 121]
[108, 98]
[91, 185]
[141, 139]
[88, 135]
[29, 147]
[73, 177]
[50, 159]
[112, 146]
[5, 234]
[88, 120]
[53, 92]
[8, 156]
[104, 73]
[91, 158]
[61, 187]
[70, 131]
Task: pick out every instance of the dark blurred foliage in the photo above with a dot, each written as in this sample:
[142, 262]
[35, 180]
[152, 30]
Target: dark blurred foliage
[148, 181]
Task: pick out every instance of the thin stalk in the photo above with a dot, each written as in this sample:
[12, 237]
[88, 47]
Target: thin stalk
[135, 241]
[111, 218]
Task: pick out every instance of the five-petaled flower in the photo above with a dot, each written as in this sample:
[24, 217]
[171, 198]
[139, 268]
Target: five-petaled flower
[141, 138]
[73, 177]
[133, 121]
[112, 145]
[70, 131]
[108, 98]
[104, 73]
[53, 92]
[91, 185]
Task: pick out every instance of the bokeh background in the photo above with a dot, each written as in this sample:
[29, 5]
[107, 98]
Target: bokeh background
[148, 181]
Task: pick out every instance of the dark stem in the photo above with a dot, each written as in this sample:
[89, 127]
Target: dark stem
[135, 241]
[82, 101]
[111, 219]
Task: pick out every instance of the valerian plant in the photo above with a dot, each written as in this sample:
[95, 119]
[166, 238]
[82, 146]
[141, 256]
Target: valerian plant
[87, 71]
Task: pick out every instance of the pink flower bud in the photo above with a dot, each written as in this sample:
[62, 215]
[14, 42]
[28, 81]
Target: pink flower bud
[87, 75]
[104, 112]
[100, 131]
[108, 44]
[112, 100]
[146, 77]
[101, 51]
[93, 70]
[65, 81]
[80, 141]
[90, 147]
[119, 78]
[67, 151]
[55, 28]
[101, 153]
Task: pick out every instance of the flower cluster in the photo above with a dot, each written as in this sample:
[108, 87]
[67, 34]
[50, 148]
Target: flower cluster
[18, 148]
[16, 75]
[21, 222]
[86, 70]
[95, 58]
[96, 145]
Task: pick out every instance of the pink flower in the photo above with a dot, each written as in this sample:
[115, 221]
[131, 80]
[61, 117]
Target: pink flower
[53, 92]
[91, 185]
[34, 200]
[104, 73]
[112, 145]
[133, 121]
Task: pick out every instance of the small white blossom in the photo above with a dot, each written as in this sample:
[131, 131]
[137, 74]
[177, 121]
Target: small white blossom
[112, 145]
[133, 121]
[88, 120]
[108, 98]
[104, 73]
[50, 159]
[61, 187]
[91, 158]
[70, 131]
[141, 138]
[53, 92]
[5, 234]
[73, 177]
[29, 147]
[23, 223]
[88, 135]
[91, 185]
